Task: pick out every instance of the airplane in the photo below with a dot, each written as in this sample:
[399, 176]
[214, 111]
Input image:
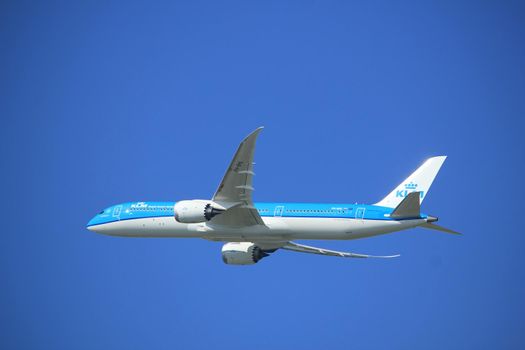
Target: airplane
[252, 231]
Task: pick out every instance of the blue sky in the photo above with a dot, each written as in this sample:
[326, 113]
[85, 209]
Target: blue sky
[108, 102]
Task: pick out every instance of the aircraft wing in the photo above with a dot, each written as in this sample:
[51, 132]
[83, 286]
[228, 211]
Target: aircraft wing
[313, 250]
[235, 190]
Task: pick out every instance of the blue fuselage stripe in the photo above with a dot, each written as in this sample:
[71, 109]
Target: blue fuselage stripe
[142, 210]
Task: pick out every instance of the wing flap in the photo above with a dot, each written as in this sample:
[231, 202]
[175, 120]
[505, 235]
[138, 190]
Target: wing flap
[239, 216]
[313, 250]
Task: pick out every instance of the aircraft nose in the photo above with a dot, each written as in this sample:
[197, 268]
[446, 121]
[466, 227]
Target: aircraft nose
[91, 225]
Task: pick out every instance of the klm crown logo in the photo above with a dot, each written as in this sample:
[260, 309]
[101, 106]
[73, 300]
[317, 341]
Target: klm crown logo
[409, 187]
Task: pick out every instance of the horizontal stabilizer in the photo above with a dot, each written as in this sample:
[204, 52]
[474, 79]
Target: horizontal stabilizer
[409, 207]
[439, 228]
[313, 250]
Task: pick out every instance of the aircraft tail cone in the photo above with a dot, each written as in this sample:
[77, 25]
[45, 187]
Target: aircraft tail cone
[432, 219]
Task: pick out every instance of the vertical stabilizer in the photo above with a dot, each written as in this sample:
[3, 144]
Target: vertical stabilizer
[419, 181]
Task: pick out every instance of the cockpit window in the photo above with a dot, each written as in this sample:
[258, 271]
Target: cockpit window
[102, 212]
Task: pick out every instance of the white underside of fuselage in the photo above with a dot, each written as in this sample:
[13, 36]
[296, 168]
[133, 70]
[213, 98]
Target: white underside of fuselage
[276, 229]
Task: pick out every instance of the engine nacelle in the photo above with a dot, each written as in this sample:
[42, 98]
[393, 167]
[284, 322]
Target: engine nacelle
[242, 253]
[197, 210]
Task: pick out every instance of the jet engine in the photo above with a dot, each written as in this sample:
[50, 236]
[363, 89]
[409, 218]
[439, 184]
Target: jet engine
[242, 253]
[194, 211]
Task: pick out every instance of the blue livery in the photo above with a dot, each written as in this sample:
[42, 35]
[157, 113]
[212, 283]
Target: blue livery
[140, 210]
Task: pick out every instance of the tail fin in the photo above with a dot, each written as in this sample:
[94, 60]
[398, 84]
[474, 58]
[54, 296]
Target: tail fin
[420, 181]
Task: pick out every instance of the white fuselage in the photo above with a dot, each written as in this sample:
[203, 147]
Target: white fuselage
[275, 229]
